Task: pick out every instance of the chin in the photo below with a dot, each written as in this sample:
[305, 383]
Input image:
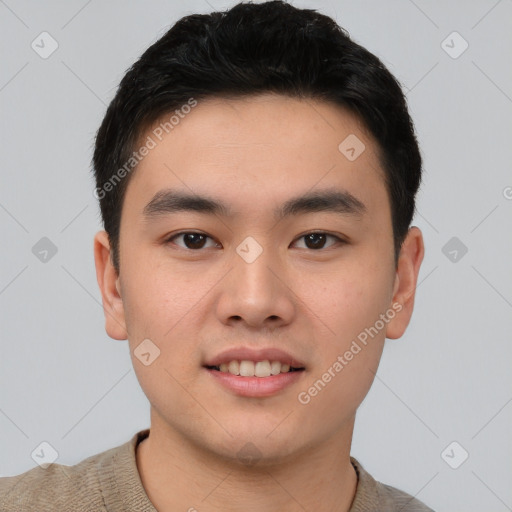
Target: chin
[257, 447]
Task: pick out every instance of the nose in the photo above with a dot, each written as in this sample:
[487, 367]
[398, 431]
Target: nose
[256, 293]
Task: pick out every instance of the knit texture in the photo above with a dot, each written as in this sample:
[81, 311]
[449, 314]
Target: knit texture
[109, 482]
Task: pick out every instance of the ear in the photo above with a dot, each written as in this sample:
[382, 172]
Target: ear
[409, 262]
[108, 281]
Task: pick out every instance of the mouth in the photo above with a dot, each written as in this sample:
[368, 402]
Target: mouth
[254, 373]
[261, 369]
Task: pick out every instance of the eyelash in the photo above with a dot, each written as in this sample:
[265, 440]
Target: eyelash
[176, 235]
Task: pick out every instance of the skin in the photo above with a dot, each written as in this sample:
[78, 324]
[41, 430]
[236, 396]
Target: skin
[254, 154]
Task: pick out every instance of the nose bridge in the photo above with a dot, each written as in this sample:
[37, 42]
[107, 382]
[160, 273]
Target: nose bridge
[256, 290]
[254, 264]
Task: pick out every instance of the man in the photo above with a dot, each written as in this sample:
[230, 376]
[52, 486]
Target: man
[256, 173]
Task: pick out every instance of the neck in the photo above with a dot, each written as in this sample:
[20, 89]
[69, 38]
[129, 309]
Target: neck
[179, 476]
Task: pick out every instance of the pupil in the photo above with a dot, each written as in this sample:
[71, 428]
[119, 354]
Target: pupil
[313, 237]
[189, 237]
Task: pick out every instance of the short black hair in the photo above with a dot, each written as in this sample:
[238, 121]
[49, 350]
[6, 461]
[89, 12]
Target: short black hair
[246, 50]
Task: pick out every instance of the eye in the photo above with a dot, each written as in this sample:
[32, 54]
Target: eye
[316, 240]
[195, 241]
[191, 239]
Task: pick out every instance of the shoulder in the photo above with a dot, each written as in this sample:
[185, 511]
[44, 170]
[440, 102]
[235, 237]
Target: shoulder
[60, 487]
[375, 496]
[55, 487]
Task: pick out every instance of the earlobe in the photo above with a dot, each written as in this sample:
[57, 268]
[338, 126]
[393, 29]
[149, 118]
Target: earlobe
[409, 262]
[108, 281]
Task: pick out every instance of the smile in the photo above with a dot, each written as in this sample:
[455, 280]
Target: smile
[246, 368]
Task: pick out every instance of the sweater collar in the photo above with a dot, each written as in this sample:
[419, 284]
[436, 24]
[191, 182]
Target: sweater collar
[120, 481]
[123, 490]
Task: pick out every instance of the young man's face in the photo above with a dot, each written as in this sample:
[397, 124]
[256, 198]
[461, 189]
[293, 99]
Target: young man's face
[258, 281]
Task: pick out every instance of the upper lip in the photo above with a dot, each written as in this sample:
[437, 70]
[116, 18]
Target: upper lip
[251, 354]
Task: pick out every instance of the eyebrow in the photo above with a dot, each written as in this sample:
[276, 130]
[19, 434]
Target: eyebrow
[170, 201]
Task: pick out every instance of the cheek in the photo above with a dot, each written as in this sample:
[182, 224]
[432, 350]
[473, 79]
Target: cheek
[349, 347]
[156, 297]
[170, 307]
[345, 302]
[348, 306]
[160, 307]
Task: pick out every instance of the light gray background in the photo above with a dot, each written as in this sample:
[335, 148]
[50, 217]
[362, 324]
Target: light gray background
[62, 380]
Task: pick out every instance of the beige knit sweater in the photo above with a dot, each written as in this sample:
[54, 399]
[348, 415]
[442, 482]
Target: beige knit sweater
[109, 482]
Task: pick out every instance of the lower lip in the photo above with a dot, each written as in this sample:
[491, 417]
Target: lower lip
[256, 386]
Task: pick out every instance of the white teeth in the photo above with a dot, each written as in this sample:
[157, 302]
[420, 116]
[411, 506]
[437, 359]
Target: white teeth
[262, 369]
[246, 368]
[252, 369]
[234, 367]
[275, 368]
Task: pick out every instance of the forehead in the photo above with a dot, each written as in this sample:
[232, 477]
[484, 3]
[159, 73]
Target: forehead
[258, 150]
